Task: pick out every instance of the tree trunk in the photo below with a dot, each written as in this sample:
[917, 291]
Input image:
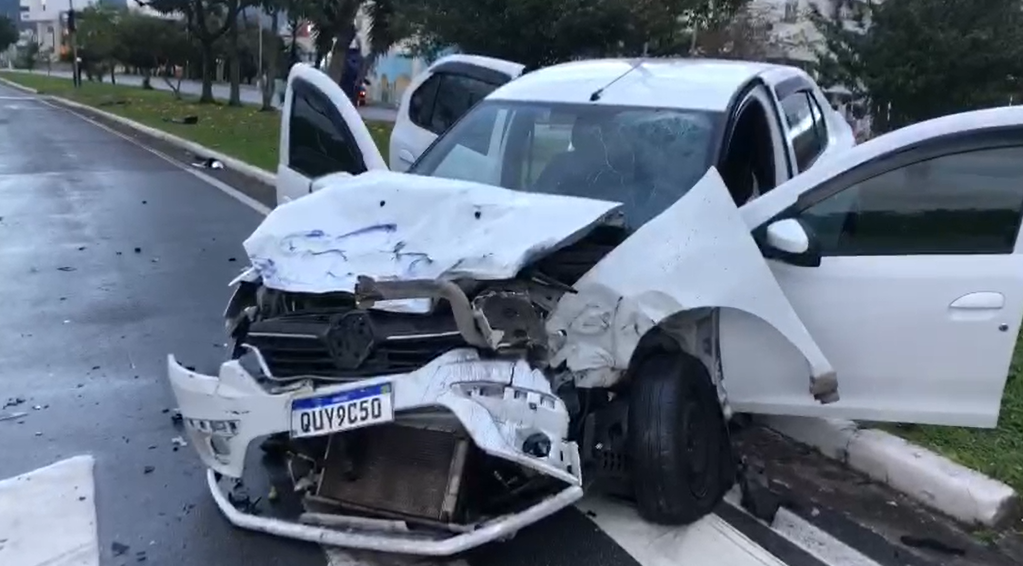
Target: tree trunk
[235, 98]
[207, 73]
[146, 84]
[269, 78]
[113, 79]
[339, 53]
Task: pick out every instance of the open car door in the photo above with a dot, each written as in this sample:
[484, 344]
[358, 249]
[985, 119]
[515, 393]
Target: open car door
[903, 260]
[321, 134]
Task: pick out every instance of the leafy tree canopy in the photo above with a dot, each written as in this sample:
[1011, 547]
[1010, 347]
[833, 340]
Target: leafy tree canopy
[919, 59]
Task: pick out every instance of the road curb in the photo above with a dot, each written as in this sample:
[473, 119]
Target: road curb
[931, 479]
[250, 171]
[15, 85]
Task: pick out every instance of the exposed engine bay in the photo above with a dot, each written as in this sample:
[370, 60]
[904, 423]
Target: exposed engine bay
[423, 469]
[440, 363]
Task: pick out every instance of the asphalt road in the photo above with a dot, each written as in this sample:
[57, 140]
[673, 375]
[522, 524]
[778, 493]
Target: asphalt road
[249, 94]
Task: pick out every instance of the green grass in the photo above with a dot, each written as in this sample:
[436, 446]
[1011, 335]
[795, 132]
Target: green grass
[998, 452]
[241, 132]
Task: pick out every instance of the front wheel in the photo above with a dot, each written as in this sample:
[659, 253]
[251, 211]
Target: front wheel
[679, 452]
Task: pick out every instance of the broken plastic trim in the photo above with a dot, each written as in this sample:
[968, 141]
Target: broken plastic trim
[368, 291]
[404, 543]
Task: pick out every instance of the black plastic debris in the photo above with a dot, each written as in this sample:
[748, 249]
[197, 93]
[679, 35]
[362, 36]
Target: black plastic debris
[931, 544]
[187, 120]
[140, 556]
[118, 549]
[757, 497]
[13, 402]
[148, 469]
[66, 268]
[138, 250]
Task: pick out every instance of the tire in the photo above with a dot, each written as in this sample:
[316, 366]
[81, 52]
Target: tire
[679, 452]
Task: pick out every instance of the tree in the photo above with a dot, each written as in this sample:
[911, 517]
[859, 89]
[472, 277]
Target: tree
[97, 39]
[542, 32]
[207, 21]
[8, 33]
[919, 59]
[747, 34]
[148, 43]
[271, 51]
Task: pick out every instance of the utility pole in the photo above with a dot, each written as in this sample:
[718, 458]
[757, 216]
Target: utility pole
[72, 26]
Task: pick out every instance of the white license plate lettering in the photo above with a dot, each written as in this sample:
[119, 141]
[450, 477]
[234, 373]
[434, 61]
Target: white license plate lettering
[344, 410]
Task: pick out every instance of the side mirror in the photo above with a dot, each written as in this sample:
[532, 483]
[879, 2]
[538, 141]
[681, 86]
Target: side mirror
[790, 241]
[788, 236]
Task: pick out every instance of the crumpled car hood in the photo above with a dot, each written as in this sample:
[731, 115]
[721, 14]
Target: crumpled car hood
[390, 226]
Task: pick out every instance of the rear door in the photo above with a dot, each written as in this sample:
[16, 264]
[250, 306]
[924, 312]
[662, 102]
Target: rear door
[441, 95]
[321, 134]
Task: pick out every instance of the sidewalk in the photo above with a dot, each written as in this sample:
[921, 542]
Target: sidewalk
[249, 94]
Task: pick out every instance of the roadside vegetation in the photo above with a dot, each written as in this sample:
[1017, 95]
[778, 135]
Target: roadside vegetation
[243, 132]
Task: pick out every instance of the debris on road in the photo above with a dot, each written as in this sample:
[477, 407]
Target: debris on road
[207, 163]
[12, 416]
[66, 268]
[148, 469]
[179, 442]
[757, 497]
[118, 549]
[13, 402]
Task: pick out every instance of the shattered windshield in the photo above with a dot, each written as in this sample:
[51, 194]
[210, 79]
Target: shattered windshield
[644, 158]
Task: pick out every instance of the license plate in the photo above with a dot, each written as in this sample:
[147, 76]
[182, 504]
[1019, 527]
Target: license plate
[341, 411]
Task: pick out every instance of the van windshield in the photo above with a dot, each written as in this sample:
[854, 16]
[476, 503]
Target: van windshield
[644, 158]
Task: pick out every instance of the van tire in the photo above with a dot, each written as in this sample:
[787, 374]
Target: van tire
[679, 452]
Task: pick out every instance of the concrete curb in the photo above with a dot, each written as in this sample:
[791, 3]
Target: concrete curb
[927, 477]
[242, 167]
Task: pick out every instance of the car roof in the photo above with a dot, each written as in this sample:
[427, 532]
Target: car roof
[507, 67]
[701, 84]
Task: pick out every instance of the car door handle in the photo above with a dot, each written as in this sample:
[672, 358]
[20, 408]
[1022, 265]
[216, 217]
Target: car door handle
[406, 156]
[982, 300]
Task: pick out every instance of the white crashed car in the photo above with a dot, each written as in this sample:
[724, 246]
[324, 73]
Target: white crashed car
[440, 362]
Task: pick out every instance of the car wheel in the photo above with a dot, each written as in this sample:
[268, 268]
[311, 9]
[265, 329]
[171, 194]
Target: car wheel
[679, 453]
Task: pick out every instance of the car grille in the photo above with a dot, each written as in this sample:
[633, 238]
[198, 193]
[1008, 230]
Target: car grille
[352, 344]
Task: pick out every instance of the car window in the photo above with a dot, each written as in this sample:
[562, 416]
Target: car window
[319, 141]
[455, 96]
[644, 158]
[808, 141]
[421, 103]
[963, 203]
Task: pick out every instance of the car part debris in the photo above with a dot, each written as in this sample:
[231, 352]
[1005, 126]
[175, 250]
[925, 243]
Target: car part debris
[12, 416]
[187, 120]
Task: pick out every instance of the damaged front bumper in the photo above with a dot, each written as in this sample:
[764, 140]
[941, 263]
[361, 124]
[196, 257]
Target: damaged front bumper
[502, 405]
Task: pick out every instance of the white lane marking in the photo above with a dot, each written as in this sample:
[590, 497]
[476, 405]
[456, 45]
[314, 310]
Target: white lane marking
[810, 538]
[48, 516]
[817, 542]
[708, 542]
[229, 190]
